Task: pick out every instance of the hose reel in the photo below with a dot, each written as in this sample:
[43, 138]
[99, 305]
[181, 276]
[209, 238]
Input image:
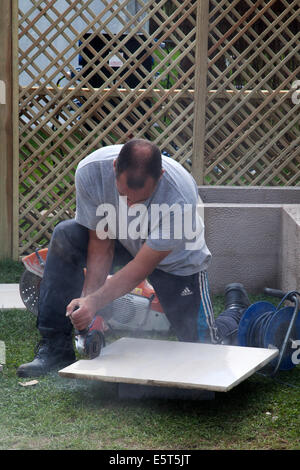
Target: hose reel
[265, 326]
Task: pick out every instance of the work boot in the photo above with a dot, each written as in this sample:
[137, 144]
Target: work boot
[236, 297]
[53, 352]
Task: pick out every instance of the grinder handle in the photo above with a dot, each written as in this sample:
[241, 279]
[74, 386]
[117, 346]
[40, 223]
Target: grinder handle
[80, 332]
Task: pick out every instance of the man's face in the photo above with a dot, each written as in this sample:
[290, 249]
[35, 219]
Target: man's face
[135, 196]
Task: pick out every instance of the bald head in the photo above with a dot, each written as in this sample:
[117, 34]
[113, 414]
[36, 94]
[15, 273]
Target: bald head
[140, 159]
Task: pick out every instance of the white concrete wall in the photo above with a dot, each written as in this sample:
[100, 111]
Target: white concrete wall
[254, 237]
[290, 249]
[245, 241]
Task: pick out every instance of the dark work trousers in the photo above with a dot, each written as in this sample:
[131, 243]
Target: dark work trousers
[185, 299]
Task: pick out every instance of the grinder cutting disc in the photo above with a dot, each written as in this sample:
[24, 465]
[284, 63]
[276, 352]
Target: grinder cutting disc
[29, 288]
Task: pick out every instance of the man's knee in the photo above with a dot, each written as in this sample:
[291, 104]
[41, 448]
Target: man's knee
[69, 238]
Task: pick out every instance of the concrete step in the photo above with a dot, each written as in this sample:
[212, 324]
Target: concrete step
[10, 297]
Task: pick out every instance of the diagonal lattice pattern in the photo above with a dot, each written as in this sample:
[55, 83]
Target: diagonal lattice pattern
[96, 73]
[94, 76]
[252, 129]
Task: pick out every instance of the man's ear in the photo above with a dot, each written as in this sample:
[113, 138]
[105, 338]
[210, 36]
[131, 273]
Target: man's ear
[115, 166]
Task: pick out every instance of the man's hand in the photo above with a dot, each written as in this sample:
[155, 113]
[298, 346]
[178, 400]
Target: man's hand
[82, 311]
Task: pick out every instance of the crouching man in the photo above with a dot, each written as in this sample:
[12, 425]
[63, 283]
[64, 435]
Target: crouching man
[114, 185]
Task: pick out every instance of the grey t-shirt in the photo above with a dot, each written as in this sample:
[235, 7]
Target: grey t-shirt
[168, 220]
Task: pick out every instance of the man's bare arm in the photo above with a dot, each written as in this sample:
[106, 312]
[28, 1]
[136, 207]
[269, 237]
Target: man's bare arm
[99, 259]
[115, 286]
[130, 275]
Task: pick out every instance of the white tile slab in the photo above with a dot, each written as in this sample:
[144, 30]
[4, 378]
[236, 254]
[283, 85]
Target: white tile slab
[172, 363]
[10, 297]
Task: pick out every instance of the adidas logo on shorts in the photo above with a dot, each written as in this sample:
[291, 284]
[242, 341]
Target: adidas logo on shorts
[186, 291]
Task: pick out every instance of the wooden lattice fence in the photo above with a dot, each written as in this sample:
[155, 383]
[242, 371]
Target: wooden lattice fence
[209, 82]
[252, 129]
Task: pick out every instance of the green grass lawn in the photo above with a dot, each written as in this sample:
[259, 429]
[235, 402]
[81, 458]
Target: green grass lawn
[58, 413]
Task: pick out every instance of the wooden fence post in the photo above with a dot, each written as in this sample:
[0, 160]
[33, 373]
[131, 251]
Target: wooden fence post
[8, 126]
[200, 90]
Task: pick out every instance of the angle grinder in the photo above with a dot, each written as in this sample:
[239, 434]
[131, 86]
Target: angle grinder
[90, 341]
[137, 311]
